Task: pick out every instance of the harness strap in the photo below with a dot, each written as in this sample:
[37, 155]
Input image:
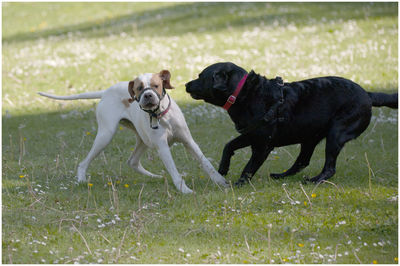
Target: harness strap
[160, 97]
[272, 117]
[153, 114]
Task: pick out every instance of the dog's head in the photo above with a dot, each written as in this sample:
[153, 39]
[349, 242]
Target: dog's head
[216, 83]
[148, 89]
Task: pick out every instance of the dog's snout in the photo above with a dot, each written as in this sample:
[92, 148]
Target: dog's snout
[148, 96]
[187, 85]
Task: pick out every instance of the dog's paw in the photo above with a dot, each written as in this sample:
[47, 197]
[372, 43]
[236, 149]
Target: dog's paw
[81, 179]
[224, 183]
[181, 186]
[277, 176]
[241, 182]
[219, 179]
[186, 190]
[316, 180]
[81, 174]
[223, 171]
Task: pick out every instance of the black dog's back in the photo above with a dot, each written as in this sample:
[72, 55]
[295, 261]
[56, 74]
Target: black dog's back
[334, 108]
[311, 108]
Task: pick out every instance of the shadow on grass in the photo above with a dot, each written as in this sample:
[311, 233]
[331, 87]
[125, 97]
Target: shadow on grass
[70, 133]
[211, 17]
[47, 200]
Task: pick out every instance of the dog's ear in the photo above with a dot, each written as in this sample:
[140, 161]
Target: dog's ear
[166, 77]
[131, 92]
[220, 80]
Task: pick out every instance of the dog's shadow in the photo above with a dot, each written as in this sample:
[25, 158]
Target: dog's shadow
[51, 144]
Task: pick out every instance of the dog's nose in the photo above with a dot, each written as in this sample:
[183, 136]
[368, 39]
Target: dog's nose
[187, 85]
[148, 96]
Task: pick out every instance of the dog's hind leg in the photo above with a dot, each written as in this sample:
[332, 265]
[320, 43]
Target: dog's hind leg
[102, 139]
[332, 150]
[107, 126]
[341, 132]
[134, 159]
[301, 162]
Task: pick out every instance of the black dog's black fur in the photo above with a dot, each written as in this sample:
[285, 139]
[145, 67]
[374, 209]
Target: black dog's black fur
[310, 110]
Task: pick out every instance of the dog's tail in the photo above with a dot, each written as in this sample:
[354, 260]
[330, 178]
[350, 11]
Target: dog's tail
[383, 99]
[86, 95]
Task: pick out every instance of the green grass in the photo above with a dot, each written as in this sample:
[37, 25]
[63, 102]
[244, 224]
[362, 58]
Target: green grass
[67, 48]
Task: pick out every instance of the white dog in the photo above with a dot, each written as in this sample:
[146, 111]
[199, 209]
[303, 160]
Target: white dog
[154, 117]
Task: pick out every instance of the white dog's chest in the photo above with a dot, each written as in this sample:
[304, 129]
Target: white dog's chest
[151, 137]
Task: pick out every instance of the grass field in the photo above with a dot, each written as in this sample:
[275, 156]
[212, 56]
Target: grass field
[123, 217]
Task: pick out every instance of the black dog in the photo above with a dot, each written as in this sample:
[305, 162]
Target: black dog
[269, 113]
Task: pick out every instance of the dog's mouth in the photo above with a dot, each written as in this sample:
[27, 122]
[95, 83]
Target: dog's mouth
[196, 96]
[149, 106]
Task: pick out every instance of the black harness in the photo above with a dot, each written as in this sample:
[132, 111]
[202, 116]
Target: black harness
[274, 114]
[153, 113]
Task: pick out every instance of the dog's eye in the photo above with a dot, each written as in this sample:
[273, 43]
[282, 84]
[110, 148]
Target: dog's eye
[156, 86]
[140, 88]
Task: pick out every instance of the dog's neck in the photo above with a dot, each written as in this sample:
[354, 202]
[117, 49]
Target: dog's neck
[155, 116]
[258, 95]
[164, 103]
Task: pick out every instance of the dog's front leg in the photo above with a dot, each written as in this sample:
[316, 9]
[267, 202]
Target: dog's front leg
[229, 149]
[194, 149]
[258, 157]
[165, 155]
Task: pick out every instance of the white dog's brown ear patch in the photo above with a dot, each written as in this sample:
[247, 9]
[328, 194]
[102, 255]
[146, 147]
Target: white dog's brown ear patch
[166, 77]
[131, 92]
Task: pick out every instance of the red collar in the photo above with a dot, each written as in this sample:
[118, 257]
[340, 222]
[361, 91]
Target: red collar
[231, 100]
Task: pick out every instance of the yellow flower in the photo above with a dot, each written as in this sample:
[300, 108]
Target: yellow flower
[396, 259]
[375, 262]
[305, 203]
[109, 183]
[313, 195]
[118, 182]
[43, 25]
[300, 245]
[285, 260]
[21, 176]
[126, 185]
[88, 133]
[90, 185]
[24, 139]
[245, 262]
[121, 128]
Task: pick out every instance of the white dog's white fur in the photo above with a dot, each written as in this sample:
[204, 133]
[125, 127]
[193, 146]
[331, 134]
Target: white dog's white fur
[114, 107]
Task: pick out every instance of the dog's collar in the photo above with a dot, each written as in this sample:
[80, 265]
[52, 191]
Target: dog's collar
[157, 116]
[232, 99]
